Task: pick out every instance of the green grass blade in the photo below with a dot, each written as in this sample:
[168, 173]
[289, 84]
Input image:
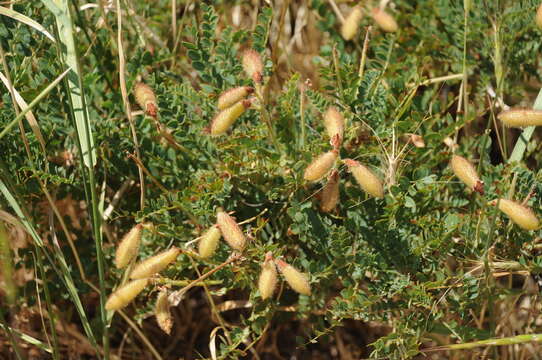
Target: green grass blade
[76, 94]
[63, 272]
[525, 137]
[27, 338]
[80, 115]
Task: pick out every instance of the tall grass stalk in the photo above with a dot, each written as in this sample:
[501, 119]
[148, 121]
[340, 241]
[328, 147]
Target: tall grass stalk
[60, 267]
[80, 116]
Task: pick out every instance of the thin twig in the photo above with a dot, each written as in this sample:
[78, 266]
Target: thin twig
[336, 10]
[175, 297]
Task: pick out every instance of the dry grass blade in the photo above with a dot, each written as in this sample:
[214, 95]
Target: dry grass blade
[26, 20]
[29, 115]
[34, 102]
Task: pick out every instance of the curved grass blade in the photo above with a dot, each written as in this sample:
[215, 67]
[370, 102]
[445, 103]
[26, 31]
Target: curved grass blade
[29, 115]
[26, 20]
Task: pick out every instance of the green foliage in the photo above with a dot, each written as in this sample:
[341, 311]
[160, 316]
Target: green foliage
[420, 261]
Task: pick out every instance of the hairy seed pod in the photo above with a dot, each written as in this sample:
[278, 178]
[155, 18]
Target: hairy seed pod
[231, 232]
[224, 119]
[154, 264]
[350, 25]
[538, 17]
[162, 314]
[334, 123]
[253, 65]
[128, 246]
[384, 20]
[297, 280]
[209, 242]
[146, 99]
[124, 295]
[330, 193]
[523, 216]
[320, 166]
[268, 277]
[466, 172]
[368, 181]
[230, 97]
[521, 117]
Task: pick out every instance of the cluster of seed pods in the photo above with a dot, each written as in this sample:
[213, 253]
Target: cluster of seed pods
[142, 272]
[350, 26]
[233, 102]
[324, 165]
[228, 228]
[520, 214]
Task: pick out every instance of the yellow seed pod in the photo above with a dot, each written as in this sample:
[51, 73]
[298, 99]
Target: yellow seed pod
[154, 264]
[224, 119]
[253, 65]
[124, 295]
[162, 314]
[330, 193]
[384, 20]
[523, 216]
[128, 246]
[538, 17]
[146, 99]
[521, 117]
[350, 26]
[334, 123]
[368, 181]
[232, 96]
[297, 280]
[231, 231]
[321, 166]
[268, 277]
[209, 242]
[466, 172]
